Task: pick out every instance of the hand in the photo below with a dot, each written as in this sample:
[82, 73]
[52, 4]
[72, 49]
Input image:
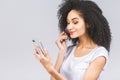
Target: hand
[61, 41]
[44, 59]
[47, 63]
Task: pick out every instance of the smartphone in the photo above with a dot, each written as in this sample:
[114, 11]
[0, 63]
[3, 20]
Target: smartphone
[40, 44]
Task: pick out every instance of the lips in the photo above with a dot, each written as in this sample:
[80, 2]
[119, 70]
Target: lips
[71, 32]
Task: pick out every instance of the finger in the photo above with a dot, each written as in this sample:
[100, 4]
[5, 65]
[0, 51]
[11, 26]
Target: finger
[38, 49]
[34, 51]
[63, 33]
[46, 53]
[64, 43]
[37, 56]
[62, 38]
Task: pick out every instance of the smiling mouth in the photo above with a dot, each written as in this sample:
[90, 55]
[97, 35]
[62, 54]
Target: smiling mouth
[71, 33]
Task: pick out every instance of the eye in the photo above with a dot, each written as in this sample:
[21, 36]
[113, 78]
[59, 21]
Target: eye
[75, 22]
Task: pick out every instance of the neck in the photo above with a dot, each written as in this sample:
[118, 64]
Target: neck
[87, 43]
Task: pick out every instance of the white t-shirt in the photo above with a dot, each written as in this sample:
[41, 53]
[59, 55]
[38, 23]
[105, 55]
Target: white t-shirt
[73, 68]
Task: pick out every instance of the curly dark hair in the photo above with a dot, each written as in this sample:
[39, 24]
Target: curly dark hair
[98, 28]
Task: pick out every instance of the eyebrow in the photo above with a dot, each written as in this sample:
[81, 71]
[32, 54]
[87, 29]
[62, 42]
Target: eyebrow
[73, 18]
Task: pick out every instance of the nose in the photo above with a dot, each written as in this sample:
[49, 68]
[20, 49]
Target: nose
[69, 26]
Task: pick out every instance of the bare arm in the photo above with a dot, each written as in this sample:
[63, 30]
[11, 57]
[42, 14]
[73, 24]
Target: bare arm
[61, 53]
[95, 69]
[58, 63]
[46, 61]
[57, 76]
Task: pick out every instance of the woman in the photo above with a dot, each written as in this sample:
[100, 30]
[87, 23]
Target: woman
[82, 22]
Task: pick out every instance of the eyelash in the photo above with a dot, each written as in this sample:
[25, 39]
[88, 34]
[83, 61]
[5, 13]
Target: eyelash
[74, 22]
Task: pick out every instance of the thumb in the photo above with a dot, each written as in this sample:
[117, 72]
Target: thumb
[46, 53]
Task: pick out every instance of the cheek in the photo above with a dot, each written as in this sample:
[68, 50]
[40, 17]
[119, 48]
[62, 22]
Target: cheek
[81, 29]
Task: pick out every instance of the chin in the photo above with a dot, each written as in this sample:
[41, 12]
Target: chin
[73, 36]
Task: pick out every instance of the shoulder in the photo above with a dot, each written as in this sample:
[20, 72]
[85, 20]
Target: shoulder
[102, 49]
[100, 52]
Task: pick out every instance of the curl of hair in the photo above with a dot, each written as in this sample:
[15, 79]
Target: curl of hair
[97, 25]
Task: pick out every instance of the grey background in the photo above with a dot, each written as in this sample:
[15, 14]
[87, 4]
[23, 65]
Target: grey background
[24, 20]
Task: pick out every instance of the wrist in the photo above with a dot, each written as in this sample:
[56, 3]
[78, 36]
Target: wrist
[62, 51]
[51, 70]
[55, 74]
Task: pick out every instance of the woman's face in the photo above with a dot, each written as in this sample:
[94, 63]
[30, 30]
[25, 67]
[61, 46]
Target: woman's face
[75, 24]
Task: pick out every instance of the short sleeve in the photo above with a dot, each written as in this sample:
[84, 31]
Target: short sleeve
[101, 51]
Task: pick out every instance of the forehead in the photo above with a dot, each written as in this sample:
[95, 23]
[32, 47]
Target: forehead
[73, 14]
